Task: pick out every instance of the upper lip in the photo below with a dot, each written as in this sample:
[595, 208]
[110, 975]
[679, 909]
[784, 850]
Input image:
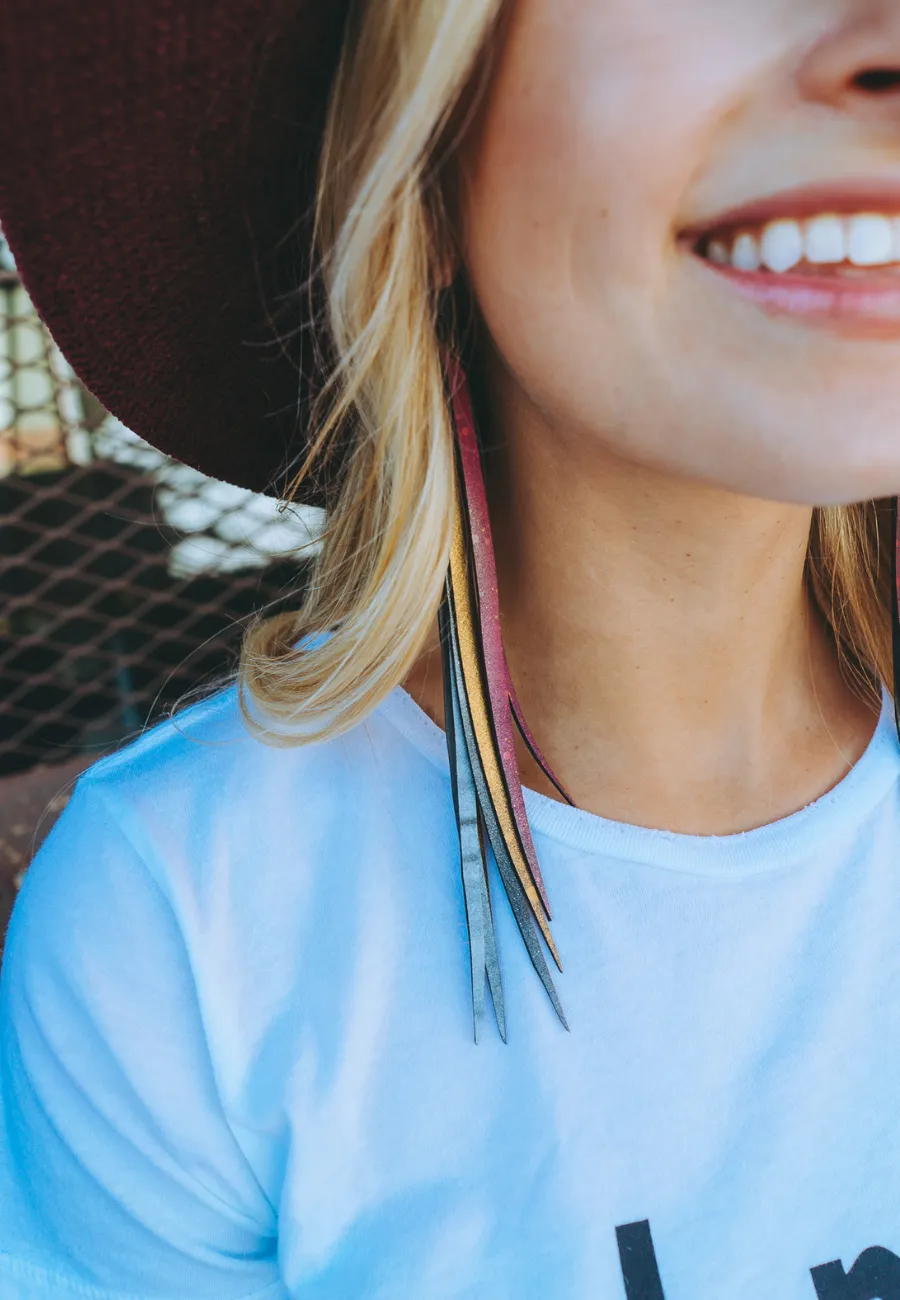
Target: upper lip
[844, 196]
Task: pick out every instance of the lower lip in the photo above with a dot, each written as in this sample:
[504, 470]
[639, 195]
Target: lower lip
[867, 305]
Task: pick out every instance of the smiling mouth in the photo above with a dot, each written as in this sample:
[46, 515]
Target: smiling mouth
[838, 270]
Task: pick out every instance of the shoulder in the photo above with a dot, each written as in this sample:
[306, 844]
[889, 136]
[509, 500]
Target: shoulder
[202, 800]
[258, 868]
[204, 760]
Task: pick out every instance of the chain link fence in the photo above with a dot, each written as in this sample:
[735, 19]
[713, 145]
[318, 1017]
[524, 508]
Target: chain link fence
[125, 577]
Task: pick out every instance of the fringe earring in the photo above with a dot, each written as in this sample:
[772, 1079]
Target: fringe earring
[480, 708]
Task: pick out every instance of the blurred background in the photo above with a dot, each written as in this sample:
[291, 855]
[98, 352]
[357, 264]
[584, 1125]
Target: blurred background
[126, 579]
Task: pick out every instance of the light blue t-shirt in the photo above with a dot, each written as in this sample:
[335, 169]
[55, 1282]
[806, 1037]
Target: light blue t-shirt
[236, 1051]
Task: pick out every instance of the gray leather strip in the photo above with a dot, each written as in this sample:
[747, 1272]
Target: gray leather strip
[515, 893]
[465, 799]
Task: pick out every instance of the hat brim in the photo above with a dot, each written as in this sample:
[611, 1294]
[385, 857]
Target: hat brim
[157, 185]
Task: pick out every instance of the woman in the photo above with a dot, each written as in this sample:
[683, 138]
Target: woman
[656, 246]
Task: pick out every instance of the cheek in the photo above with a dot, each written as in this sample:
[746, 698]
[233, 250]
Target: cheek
[600, 119]
[577, 180]
[518, 215]
[567, 258]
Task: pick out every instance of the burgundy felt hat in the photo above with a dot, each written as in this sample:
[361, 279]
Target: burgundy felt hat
[157, 180]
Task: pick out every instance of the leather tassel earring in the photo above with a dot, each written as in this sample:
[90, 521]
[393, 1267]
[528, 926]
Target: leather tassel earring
[895, 603]
[480, 709]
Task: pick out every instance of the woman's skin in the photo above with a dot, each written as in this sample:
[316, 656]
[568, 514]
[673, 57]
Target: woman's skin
[653, 421]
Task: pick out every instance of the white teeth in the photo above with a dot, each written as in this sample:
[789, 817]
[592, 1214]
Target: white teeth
[782, 245]
[870, 240]
[825, 241]
[745, 253]
[863, 239]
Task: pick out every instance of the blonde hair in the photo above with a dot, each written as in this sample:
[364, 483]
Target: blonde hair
[382, 236]
[849, 571]
[377, 582]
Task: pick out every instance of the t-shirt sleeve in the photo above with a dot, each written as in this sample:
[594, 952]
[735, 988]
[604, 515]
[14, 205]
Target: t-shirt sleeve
[119, 1174]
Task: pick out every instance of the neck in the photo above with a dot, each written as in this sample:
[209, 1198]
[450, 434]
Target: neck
[660, 632]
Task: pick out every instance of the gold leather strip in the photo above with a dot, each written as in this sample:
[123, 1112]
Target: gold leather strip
[475, 693]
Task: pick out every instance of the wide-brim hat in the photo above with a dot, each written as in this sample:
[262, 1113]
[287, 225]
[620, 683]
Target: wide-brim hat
[156, 191]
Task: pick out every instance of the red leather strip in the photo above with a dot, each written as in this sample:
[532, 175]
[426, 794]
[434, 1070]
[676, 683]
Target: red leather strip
[495, 664]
